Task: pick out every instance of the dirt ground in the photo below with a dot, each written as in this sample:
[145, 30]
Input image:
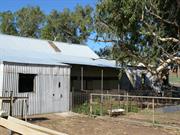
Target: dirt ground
[84, 125]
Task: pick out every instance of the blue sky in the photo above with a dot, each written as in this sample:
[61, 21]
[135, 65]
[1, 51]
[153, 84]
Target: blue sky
[46, 6]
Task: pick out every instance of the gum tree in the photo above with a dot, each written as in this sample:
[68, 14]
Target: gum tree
[142, 31]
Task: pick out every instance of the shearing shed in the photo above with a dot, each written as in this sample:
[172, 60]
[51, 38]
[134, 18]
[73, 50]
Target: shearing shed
[47, 71]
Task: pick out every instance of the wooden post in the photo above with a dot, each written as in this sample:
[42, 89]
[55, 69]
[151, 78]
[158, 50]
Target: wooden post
[101, 103]
[153, 110]
[22, 111]
[72, 102]
[119, 101]
[110, 106]
[118, 89]
[91, 108]
[102, 77]
[130, 105]
[26, 104]
[127, 102]
[11, 109]
[11, 103]
[82, 78]
[178, 70]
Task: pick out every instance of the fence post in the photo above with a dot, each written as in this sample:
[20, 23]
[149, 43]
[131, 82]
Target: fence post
[153, 109]
[72, 98]
[91, 105]
[11, 109]
[11, 103]
[22, 111]
[111, 107]
[26, 103]
[101, 105]
[119, 101]
[130, 105]
[127, 102]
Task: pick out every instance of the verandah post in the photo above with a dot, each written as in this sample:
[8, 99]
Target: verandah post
[82, 78]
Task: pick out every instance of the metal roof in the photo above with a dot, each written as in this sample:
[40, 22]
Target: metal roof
[28, 50]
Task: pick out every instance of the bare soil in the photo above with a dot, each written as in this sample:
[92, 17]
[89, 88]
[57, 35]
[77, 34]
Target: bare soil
[84, 125]
[167, 119]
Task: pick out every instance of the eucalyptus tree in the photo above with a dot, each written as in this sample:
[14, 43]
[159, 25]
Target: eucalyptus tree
[142, 31]
[7, 23]
[105, 52]
[29, 21]
[69, 26]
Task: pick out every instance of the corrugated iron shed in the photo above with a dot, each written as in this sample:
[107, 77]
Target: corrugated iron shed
[28, 50]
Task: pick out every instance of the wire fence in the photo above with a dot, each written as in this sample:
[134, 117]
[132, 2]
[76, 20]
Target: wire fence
[78, 99]
[155, 110]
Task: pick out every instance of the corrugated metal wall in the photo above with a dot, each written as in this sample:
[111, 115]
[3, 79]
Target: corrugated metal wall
[47, 97]
[1, 82]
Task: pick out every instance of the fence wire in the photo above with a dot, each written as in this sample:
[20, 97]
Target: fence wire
[156, 110]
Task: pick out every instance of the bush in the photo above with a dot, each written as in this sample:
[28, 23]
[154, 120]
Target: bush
[83, 109]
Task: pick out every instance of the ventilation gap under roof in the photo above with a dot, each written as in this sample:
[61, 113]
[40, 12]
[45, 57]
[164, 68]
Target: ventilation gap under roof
[55, 48]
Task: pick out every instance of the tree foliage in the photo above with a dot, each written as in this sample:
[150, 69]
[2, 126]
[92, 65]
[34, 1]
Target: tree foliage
[67, 26]
[145, 30]
[142, 31]
[25, 22]
[7, 21]
[29, 20]
[105, 52]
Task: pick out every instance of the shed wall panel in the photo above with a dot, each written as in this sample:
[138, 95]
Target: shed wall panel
[1, 82]
[41, 99]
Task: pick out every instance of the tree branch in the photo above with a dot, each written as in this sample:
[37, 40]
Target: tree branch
[139, 59]
[168, 39]
[167, 62]
[105, 41]
[160, 18]
[106, 24]
[164, 20]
